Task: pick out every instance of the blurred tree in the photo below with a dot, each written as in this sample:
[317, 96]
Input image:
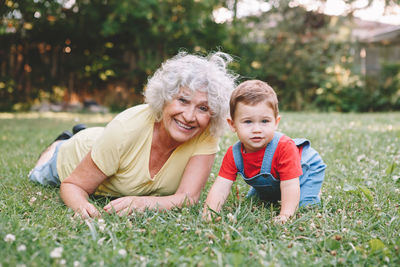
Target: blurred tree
[308, 57]
[50, 49]
[289, 48]
[88, 44]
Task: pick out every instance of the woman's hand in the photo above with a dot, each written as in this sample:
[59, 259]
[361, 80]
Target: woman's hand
[188, 193]
[87, 211]
[124, 205]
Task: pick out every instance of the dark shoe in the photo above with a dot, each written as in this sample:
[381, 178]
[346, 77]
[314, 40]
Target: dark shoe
[64, 136]
[78, 127]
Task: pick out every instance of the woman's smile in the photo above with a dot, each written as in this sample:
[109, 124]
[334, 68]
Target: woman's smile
[184, 126]
[186, 116]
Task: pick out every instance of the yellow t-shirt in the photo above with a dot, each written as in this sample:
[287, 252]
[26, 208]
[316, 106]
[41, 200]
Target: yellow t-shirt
[121, 150]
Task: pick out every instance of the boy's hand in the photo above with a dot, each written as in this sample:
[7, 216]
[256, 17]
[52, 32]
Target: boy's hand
[281, 219]
[216, 197]
[206, 216]
[290, 196]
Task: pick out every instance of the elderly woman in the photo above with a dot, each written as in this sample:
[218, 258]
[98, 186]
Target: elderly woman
[156, 155]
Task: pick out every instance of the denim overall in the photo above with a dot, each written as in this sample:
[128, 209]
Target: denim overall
[267, 188]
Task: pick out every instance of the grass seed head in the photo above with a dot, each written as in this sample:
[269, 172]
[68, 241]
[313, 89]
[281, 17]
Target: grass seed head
[56, 253]
[9, 238]
[21, 248]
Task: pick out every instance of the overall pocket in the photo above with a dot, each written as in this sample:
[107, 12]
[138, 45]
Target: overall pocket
[266, 186]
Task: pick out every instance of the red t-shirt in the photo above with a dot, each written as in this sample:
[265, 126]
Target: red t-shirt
[285, 162]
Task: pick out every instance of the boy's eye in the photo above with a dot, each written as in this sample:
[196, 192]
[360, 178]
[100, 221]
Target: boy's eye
[265, 121]
[247, 121]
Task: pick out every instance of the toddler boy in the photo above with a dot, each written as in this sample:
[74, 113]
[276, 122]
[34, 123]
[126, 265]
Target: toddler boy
[274, 165]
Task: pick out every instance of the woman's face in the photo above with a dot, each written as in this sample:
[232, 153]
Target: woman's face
[187, 115]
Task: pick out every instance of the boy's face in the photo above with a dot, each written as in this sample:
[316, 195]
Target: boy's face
[255, 125]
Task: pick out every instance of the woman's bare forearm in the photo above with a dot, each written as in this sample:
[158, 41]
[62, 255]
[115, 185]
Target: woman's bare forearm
[73, 196]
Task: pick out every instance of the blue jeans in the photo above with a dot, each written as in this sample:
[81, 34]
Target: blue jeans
[46, 174]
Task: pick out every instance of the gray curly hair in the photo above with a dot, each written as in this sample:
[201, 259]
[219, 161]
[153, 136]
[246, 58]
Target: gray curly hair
[196, 73]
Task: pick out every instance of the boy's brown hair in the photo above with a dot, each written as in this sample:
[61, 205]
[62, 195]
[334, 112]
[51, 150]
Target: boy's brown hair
[253, 92]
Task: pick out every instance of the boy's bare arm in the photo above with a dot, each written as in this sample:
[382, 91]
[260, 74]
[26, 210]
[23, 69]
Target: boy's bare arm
[217, 196]
[290, 197]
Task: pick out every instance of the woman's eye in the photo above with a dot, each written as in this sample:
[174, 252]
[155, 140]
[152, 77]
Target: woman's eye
[182, 100]
[204, 108]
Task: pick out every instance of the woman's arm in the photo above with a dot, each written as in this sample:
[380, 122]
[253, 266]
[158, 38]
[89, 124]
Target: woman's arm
[217, 196]
[82, 182]
[193, 180]
[290, 197]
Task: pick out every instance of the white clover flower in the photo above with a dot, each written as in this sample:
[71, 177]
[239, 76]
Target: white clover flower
[39, 193]
[231, 217]
[77, 264]
[102, 225]
[32, 200]
[21, 248]
[9, 238]
[56, 253]
[122, 252]
[63, 262]
[361, 157]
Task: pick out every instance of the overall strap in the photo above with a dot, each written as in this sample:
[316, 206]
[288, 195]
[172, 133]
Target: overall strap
[269, 153]
[237, 156]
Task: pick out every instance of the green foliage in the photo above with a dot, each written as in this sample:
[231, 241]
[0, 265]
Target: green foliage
[357, 223]
[98, 45]
[388, 94]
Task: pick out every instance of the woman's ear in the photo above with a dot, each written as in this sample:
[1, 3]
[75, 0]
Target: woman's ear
[231, 124]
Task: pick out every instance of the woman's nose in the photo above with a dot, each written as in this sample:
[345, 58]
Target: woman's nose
[189, 114]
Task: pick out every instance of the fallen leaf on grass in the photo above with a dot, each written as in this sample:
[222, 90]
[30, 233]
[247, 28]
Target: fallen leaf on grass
[390, 169]
[367, 192]
[331, 244]
[361, 189]
[349, 188]
[376, 245]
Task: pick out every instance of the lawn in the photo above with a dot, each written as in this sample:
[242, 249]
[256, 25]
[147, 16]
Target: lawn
[357, 223]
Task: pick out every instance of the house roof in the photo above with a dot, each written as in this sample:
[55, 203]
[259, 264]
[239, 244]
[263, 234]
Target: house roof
[387, 36]
[375, 32]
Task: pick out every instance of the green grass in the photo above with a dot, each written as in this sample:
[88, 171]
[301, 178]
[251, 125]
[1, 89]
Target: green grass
[357, 223]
